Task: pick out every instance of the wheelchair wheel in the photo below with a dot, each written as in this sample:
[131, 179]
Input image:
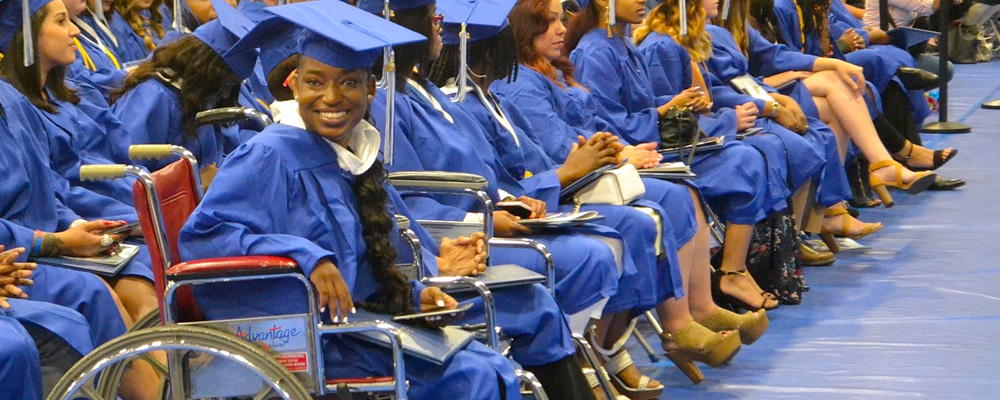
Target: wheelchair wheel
[177, 342]
[110, 379]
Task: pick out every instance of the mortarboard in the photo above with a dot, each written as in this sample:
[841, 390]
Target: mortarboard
[223, 32]
[471, 20]
[16, 15]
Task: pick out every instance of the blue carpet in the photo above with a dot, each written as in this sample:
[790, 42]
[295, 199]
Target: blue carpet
[916, 317]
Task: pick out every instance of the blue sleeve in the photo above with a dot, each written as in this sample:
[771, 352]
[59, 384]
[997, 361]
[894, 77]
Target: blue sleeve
[148, 114]
[222, 226]
[543, 186]
[788, 19]
[669, 69]
[13, 235]
[541, 121]
[596, 72]
[721, 123]
[725, 96]
[768, 59]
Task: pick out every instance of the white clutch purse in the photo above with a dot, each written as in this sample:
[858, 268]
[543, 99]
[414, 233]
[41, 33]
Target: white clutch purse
[618, 186]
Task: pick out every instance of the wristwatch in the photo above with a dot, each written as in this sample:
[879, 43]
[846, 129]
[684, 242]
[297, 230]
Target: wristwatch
[775, 106]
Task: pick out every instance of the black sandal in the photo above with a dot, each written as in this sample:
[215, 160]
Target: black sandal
[939, 159]
[735, 302]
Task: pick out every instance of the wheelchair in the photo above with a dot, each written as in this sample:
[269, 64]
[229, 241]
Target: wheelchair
[201, 354]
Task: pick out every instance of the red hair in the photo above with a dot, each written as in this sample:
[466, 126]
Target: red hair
[530, 19]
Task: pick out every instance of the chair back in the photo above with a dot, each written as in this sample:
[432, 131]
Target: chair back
[177, 195]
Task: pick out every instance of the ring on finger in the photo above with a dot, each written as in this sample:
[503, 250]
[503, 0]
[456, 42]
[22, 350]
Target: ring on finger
[106, 240]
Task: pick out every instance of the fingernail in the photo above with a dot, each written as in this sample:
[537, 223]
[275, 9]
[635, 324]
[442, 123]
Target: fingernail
[336, 319]
[345, 319]
[322, 309]
[440, 303]
[354, 310]
[107, 223]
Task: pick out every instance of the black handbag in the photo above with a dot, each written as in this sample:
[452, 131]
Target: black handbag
[679, 127]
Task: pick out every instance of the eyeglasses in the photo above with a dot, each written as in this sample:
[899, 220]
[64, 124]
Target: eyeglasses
[437, 21]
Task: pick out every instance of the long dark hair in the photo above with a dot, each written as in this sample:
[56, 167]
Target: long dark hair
[498, 53]
[205, 77]
[394, 293]
[411, 55]
[530, 19]
[815, 15]
[28, 80]
[763, 18]
[588, 18]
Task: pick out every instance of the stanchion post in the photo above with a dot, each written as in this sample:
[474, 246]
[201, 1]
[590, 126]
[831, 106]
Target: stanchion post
[943, 125]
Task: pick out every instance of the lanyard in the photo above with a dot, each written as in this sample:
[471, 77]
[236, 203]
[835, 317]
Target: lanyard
[802, 26]
[87, 60]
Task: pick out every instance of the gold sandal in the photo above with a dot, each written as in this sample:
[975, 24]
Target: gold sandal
[921, 182]
[751, 325]
[845, 227]
[698, 343]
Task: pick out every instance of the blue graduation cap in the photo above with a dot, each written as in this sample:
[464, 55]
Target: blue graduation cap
[378, 6]
[276, 38]
[16, 15]
[471, 20]
[222, 33]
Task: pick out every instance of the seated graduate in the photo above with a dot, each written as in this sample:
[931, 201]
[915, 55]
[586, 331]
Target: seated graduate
[47, 127]
[733, 179]
[529, 315]
[666, 46]
[345, 245]
[160, 99]
[138, 28]
[97, 24]
[431, 134]
[96, 62]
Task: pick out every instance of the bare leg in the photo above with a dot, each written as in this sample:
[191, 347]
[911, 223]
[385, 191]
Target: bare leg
[698, 282]
[847, 107]
[137, 295]
[734, 256]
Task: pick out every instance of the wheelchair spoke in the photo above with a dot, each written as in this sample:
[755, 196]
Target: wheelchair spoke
[263, 393]
[91, 393]
[158, 366]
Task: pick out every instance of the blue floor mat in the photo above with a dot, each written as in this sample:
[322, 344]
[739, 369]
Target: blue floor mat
[916, 317]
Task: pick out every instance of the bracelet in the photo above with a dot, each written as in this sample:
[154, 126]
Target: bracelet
[36, 246]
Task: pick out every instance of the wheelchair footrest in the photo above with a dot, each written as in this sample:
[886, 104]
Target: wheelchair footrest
[231, 266]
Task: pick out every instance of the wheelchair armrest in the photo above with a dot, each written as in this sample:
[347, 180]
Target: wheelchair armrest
[231, 266]
[229, 115]
[536, 246]
[439, 180]
[464, 282]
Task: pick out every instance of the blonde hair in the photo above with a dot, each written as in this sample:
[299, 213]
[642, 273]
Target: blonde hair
[665, 19]
[138, 22]
[736, 23]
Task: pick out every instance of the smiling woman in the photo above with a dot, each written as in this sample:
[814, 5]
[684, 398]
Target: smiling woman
[331, 100]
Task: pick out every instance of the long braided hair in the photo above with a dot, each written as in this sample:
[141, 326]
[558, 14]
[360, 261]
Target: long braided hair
[395, 293]
[666, 19]
[496, 54]
[815, 15]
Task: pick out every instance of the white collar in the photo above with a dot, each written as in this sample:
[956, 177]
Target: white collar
[423, 92]
[99, 21]
[365, 142]
[494, 108]
[365, 139]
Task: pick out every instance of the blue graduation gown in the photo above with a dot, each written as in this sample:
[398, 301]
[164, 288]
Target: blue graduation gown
[152, 114]
[311, 216]
[616, 74]
[425, 140]
[131, 47]
[63, 322]
[20, 370]
[48, 200]
[656, 279]
[98, 64]
[733, 179]
[107, 37]
[558, 115]
[763, 59]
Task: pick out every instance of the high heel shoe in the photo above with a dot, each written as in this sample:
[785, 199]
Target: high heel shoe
[616, 360]
[737, 302]
[921, 182]
[938, 159]
[845, 228]
[698, 343]
[751, 325]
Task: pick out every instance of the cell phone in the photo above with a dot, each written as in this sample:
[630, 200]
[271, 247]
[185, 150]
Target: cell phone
[515, 207]
[127, 228]
[452, 313]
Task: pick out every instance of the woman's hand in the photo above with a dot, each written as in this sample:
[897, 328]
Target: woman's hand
[641, 156]
[851, 40]
[588, 155]
[332, 290]
[81, 240]
[505, 225]
[433, 299]
[537, 206]
[682, 99]
[13, 274]
[464, 256]
[877, 36]
[208, 175]
[852, 75]
[790, 116]
[746, 115]
[785, 77]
